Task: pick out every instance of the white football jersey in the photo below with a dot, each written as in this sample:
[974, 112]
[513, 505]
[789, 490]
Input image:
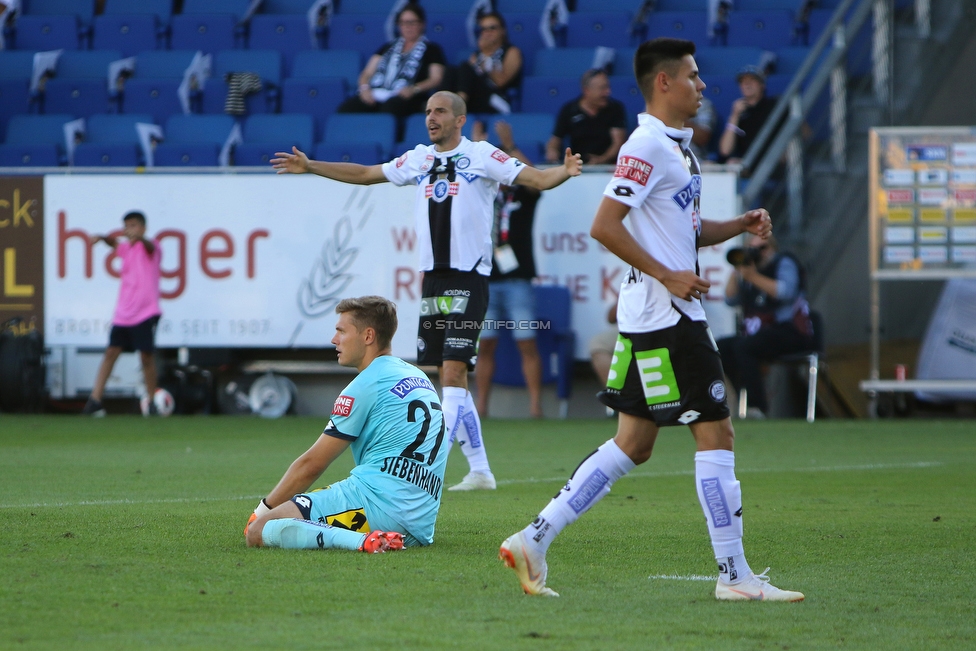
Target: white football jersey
[658, 177]
[455, 201]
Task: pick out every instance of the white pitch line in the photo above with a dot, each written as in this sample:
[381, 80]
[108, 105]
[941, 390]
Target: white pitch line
[503, 482]
[675, 577]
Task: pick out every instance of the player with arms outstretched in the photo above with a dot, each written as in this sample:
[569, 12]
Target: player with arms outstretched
[391, 418]
[666, 368]
[456, 182]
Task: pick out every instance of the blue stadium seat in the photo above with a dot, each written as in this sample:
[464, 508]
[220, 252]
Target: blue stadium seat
[364, 153]
[624, 89]
[689, 25]
[548, 94]
[163, 64]
[265, 63]
[526, 126]
[16, 64]
[287, 34]
[128, 33]
[379, 128]
[450, 31]
[368, 7]
[630, 6]
[776, 84]
[81, 97]
[563, 61]
[512, 6]
[47, 33]
[83, 9]
[556, 345]
[682, 5]
[236, 8]
[317, 64]
[606, 28]
[765, 5]
[161, 9]
[440, 7]
[722, 90]
[157, 97]
[14, 99]
[105, 154]
[29, 155]
[86, 64]
[186, 154]
[415, 132]
[766, 29]
[212, 129]
[523, 31]
[206, 32]
[360, 32]
[281, 7]
[317, 97]
[729, 60]
[789, 59]
[282, 130]
[115, 129]
[37, 129]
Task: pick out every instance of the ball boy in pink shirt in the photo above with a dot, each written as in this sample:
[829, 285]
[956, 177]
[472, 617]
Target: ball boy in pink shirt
[137, 311]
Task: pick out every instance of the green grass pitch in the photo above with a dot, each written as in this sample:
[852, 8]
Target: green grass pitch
[125, 533]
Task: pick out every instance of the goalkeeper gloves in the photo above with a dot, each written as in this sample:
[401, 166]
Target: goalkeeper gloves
[258, 512]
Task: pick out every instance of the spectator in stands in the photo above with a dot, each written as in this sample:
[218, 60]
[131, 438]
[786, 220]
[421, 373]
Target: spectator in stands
[703, 126]
[489, 76]
[402, 74]
[595, 123]
[137, 311]
[769, 287]
[510, 295]
[748, 115]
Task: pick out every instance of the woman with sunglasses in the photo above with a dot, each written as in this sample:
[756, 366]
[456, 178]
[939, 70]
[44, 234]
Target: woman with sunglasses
[486, 80]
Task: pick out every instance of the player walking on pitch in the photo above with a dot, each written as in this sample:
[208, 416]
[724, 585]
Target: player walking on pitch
[666, 368]
[456, 181]
[390, 417]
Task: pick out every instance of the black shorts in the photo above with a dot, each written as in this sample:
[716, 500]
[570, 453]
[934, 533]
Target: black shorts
[672, 376]
[141, 336]
[452, 307]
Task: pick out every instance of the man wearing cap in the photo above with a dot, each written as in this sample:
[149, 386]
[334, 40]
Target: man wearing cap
[748, 114]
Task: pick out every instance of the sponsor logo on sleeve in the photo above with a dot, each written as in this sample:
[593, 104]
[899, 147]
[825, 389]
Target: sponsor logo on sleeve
[633, 169]
[401, 160]
[343, 406]
[500, 156]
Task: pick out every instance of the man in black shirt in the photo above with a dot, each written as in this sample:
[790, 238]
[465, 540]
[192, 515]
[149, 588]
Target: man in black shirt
[595, 123]
[748, 115]
[511, 299]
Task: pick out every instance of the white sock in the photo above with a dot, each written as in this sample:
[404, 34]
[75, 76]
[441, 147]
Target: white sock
[588, 485]
[721, 500]
[475, 451]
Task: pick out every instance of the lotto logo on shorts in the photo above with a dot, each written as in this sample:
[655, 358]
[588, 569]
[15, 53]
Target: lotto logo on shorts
[633, 169]
[343, 406]
[657, 376]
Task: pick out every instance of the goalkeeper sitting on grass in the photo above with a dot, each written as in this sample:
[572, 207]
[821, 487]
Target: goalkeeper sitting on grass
[391, 417]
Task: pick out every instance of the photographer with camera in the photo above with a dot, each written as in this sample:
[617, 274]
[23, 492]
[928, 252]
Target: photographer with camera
[769, 287]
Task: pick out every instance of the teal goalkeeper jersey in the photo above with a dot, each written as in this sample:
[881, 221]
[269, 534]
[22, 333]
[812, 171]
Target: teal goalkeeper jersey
[393, 418]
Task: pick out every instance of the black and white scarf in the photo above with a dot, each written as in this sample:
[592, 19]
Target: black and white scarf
[394, 71]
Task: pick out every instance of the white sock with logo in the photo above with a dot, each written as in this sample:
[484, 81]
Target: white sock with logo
[721, 500]
[588, 485]
[462, 423]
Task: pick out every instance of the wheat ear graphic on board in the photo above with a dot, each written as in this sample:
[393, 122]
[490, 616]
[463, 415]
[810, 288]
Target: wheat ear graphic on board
[322, 290]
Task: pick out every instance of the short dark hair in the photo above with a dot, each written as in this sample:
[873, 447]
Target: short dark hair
[415, 9]
[373, 312]
[493, 14]
[656, 55]
[135, 214]
[588, 76]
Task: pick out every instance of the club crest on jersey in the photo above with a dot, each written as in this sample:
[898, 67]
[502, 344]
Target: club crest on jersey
[462, 163]
[500, 156]
[343, 406]
[441, 189]
[633, 169]
[686, 195]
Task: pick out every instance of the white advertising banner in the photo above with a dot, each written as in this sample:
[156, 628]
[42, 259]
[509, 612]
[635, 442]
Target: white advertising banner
[262, 260]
